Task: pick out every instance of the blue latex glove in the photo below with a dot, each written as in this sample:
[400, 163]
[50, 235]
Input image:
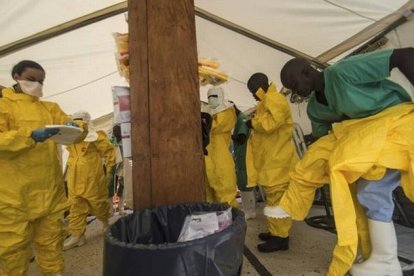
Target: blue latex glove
[71, 124]
[42, 134]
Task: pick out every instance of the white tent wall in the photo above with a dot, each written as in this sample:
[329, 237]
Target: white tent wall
[23, 18]
[311, 27]
[241, 56]
[81, 66]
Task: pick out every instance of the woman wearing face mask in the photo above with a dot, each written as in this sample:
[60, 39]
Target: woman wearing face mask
[221, 175]
[32, 198]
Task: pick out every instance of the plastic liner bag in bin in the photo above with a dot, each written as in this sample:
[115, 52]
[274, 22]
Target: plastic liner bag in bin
[200, 225]
[145, 243]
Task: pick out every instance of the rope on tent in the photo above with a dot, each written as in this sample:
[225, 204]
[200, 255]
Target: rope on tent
[237, 80]
[82, 85]
[64, 28]
[255, 36]
[376, 29]
[351, 11]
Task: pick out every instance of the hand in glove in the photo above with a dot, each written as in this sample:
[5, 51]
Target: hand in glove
[42, 134]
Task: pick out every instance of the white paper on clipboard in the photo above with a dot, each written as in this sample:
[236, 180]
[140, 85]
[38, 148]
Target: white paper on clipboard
[66, 135]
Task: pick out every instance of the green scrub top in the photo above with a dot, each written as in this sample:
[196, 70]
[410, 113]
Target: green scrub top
[239, 152]
[355, 87]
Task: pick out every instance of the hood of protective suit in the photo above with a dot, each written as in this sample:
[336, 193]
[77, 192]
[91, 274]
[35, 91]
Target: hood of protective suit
[86, 117]
[219, 102]
[83, 115]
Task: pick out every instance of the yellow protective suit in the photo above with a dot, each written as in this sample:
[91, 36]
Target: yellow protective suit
[273, 153]
[221, 175]
[355, 148]
[32, 197]
[87, 182]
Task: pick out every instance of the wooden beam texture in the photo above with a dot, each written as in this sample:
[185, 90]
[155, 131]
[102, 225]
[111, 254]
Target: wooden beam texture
[168, 164]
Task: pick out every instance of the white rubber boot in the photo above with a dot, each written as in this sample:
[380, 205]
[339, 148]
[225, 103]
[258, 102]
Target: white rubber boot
[384, 256]
[74, 241]
[249, 204]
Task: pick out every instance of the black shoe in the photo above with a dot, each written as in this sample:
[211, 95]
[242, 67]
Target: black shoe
[264, 236]
[274, 244]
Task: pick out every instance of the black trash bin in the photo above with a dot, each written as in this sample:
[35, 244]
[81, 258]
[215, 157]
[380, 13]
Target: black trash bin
[144, 243]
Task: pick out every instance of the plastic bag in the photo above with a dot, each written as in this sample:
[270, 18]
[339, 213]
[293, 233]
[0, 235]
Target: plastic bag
[134, 241]
[199, 225]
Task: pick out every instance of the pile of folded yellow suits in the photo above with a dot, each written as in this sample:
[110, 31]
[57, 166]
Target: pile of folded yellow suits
[122, 54]
[209, 74]
[207, 68]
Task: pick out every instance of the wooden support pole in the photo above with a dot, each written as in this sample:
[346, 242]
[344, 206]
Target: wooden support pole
[168, 166]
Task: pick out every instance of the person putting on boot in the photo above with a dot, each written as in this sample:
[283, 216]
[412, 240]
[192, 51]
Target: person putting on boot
[354, 90]
[273, 155]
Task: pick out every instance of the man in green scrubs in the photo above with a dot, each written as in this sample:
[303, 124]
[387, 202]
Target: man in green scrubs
[357, 87]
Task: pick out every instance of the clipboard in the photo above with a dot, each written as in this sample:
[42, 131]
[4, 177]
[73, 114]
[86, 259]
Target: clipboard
[66, 135]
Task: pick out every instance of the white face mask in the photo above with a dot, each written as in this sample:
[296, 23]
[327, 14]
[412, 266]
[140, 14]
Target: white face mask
[32, 88]
[213, 102]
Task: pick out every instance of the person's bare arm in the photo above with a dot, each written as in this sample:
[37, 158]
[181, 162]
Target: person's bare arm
[403, 59]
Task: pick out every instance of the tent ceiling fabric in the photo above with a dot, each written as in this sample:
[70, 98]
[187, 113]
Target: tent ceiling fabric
[81, 66]
[311, 27]
[27, 17]
[63, 28]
